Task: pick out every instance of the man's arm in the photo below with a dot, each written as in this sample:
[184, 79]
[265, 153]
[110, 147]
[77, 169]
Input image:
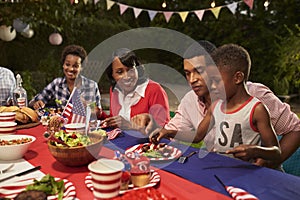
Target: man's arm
[289, 143]
[285, 122]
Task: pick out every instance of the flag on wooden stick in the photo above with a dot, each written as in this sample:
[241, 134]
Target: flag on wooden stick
[237, 193]
[74, 110]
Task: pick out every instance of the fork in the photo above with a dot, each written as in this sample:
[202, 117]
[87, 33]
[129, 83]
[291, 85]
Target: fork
[183, 159]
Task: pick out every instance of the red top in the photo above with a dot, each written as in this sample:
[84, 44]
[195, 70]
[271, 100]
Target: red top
[155, 102]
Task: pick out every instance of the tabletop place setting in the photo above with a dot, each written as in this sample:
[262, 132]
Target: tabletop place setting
[74, 145]
[56, 157]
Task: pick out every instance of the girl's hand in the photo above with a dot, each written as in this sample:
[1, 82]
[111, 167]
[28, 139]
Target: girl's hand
[38, 105]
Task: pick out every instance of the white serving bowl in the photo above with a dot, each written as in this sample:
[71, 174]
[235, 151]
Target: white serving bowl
[7, 117]
[7, 128]
[14, 151]
[75, 127]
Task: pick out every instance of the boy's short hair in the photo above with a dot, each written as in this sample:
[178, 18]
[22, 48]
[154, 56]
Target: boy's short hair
[232, 57]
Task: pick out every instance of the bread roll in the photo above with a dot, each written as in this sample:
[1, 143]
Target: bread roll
[11, 109]
[2, 108]
[21, 117]
[30, 113]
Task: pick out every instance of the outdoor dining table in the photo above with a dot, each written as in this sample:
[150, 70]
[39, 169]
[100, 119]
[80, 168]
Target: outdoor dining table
[191, 180]
[170, 185]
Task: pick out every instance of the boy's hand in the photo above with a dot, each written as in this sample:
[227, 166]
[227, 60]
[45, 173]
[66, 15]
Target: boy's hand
[267, 163]
[244, 152]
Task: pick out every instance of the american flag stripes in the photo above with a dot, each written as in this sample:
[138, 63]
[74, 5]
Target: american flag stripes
[113, 133]
[74, 110]
[237, 193]
[240, 194]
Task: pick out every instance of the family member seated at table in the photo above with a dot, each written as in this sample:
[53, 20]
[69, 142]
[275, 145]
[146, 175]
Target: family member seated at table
[285, 122]
[7, 86]
[132, 92]
[190, 113]
[194, 104]
[59, 89]
[242, 123]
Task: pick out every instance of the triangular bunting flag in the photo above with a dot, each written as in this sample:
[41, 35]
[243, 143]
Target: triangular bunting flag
[199, 14]
[96, 1]
[232, 7]
[123, 8]
[71, 1]
[137, 12]
[216, 11]
[109, 4]
[152, 14]
[85, 1]
[168, 16]
[249, 3]
[183, 15]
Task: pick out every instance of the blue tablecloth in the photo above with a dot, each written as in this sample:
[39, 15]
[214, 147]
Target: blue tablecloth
[266, 184]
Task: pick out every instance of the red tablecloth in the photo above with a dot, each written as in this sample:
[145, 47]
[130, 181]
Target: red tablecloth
[170, 185]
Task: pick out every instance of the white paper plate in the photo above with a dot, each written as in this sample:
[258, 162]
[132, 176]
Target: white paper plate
[11, 190]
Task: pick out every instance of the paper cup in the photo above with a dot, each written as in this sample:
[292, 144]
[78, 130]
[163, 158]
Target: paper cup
[75, 127]
[7, 128]
[106, 177]
[7, 117]
[21, 102]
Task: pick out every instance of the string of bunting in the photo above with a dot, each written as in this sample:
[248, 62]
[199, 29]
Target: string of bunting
[183, 14]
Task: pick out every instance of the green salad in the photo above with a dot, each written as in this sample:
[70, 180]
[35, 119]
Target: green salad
[152, 153]
[71, 139]
[48, 185]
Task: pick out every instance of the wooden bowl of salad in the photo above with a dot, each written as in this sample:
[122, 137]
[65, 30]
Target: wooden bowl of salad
[75, 149]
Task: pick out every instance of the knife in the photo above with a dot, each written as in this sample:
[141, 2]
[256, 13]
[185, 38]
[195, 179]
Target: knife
[21, 173]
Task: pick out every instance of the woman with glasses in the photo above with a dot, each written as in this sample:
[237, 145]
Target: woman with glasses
[132, 92]
[60, 89]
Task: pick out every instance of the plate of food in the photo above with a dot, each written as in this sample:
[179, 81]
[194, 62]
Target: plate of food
[154, 180]
[156, 152]
[48, 186]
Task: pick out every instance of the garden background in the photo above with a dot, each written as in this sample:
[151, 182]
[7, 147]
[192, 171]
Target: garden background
[267, 29]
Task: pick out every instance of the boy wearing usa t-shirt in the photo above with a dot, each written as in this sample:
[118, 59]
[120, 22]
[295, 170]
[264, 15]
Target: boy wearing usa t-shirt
[242, 122]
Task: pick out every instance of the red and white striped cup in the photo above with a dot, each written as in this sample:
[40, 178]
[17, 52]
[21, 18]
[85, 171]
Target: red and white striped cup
[7, 117]
[106, 177]
[21, 102]
[7, 128]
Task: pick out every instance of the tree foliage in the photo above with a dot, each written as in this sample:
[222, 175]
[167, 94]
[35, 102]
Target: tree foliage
[270, 35]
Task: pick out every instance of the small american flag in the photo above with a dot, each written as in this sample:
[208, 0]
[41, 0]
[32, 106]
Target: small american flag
[113, 133]
[237, 193]
[74, 110]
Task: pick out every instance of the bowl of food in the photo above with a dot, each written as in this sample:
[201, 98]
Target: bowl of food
[75, 149]
[8, 128]
[13, 147]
